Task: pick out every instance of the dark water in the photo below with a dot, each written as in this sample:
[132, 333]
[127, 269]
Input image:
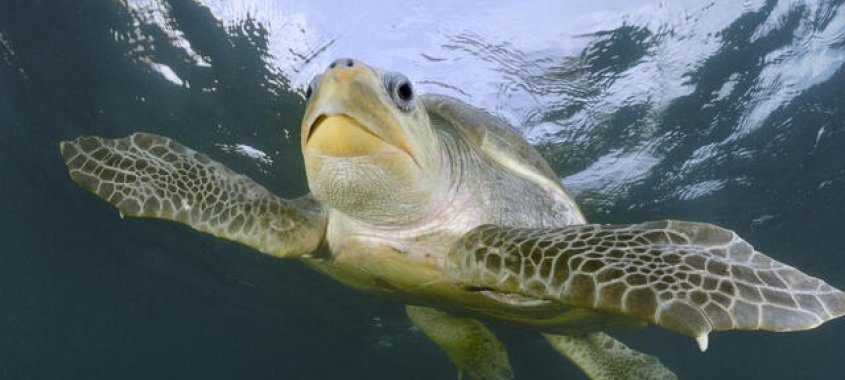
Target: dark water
[727, 112]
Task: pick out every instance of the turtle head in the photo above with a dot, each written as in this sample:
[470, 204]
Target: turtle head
[369, 148]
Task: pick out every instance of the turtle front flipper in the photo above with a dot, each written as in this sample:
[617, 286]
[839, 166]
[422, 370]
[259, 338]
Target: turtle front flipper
[603, 358]
[146, 175]
[471, 347]
[692, 278]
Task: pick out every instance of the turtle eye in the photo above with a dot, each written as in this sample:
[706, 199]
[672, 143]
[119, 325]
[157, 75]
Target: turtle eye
[405, 92]
[312, 87]
[400, 90]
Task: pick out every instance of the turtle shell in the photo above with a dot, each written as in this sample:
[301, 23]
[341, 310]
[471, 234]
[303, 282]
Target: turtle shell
[497, 139]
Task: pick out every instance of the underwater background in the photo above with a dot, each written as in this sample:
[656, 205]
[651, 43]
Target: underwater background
[729, 112]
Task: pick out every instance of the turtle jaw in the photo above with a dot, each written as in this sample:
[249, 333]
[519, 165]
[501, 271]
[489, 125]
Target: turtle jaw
[340, 135]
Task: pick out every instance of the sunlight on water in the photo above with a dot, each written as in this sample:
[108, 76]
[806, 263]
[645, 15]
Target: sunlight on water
[568, 78]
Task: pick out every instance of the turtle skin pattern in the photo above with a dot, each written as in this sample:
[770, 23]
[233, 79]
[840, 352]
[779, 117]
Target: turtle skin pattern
[146, 175]
[688, 277]
[603, 358]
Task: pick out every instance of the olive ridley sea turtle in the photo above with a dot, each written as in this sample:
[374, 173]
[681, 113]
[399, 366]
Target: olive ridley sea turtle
[448, 210]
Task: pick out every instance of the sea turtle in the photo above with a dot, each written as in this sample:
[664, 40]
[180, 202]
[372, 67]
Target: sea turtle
[448, 210]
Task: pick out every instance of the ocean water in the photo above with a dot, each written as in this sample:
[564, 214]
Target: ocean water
[729, 112]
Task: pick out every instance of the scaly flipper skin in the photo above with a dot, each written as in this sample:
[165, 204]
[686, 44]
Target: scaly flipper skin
[146, 175]
[688, 277]
[603, 358]
[473, 349]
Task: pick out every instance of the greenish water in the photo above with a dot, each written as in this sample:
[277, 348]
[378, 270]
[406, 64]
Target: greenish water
[726, 112]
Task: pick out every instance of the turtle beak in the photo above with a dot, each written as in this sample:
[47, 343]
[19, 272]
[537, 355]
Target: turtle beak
[342, 136]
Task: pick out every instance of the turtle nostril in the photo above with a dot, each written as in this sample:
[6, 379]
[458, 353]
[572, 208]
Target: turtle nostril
[342, 62]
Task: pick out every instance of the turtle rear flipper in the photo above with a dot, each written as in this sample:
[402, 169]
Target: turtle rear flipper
[473, 349]
[146, 175]
[692, 278]
[603, 358]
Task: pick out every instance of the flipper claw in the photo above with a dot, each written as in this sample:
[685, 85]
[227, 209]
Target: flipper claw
[702, 342]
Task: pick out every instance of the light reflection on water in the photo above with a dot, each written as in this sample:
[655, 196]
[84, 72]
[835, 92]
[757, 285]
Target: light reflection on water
[569, 75]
